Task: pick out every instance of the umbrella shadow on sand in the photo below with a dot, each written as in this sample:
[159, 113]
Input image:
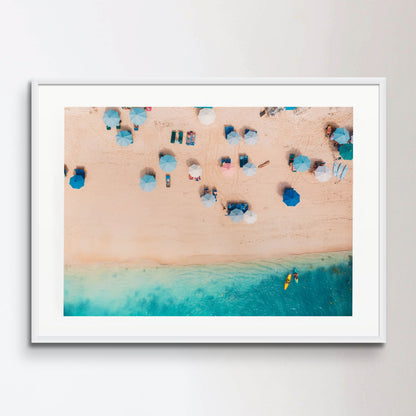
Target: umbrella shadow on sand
[315, 163]
[147, 171]
[116, 109]
[333, 125]
[124, 128]
[294, 151]
[282, 186]
[243, 130]
[334, 148]
[81, 171]
[220, 159]
[191, 162]
[165, 151]
[201, 190]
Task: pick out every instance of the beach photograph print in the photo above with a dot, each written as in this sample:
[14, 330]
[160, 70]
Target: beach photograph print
[208, 211]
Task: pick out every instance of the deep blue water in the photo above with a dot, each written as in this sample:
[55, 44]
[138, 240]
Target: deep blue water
[248, 289]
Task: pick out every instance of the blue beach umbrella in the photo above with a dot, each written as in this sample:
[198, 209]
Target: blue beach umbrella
[290, 108]
[249, 169]
[301, 163]
[167, 163]
[291, 197]
[236, 215]
[233, 138]
[148, 183]
[208, 200]
[111, 118]
[138, 116]
[124, 138]
[77, 181]
[341, 136]
[346, 152]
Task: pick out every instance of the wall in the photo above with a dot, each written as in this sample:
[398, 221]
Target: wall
[125, 40]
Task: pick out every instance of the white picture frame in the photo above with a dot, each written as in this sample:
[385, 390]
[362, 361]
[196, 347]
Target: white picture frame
[368, 323]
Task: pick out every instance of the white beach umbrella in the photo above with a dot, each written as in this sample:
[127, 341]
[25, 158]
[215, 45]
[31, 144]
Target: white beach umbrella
[236, 215]
[195, 171]
[250, 217]
[206, 116]
[250, 137]
[249, 169]
[208, 200]
[233, 138]
[323, 173]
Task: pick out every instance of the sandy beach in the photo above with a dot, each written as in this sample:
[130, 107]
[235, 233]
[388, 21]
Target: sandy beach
[112, 220]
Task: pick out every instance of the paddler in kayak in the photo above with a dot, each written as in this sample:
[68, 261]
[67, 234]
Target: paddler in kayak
[295, 275]
[288, 278]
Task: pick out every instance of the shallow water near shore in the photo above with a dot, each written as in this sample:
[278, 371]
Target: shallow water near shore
[235, 289]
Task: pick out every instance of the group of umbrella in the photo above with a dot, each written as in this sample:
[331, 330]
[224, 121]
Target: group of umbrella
[322, 172]
[112, 119]
[228, 169]
[302, 163]
[237, 215]
[234, 138]
[124, 138]
[168, 164]
[207, 116]
[344, 140]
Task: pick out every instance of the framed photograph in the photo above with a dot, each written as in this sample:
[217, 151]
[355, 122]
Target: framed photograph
[219, 210]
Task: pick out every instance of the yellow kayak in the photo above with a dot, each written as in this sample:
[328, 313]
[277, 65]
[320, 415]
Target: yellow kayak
[288, 279]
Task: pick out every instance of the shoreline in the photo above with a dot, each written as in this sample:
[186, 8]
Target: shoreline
[299, 259]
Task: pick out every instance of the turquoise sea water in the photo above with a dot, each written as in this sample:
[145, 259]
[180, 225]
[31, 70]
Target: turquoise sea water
[246, 289]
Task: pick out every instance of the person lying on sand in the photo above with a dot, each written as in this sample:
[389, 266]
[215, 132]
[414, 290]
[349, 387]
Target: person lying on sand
[328, 131]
